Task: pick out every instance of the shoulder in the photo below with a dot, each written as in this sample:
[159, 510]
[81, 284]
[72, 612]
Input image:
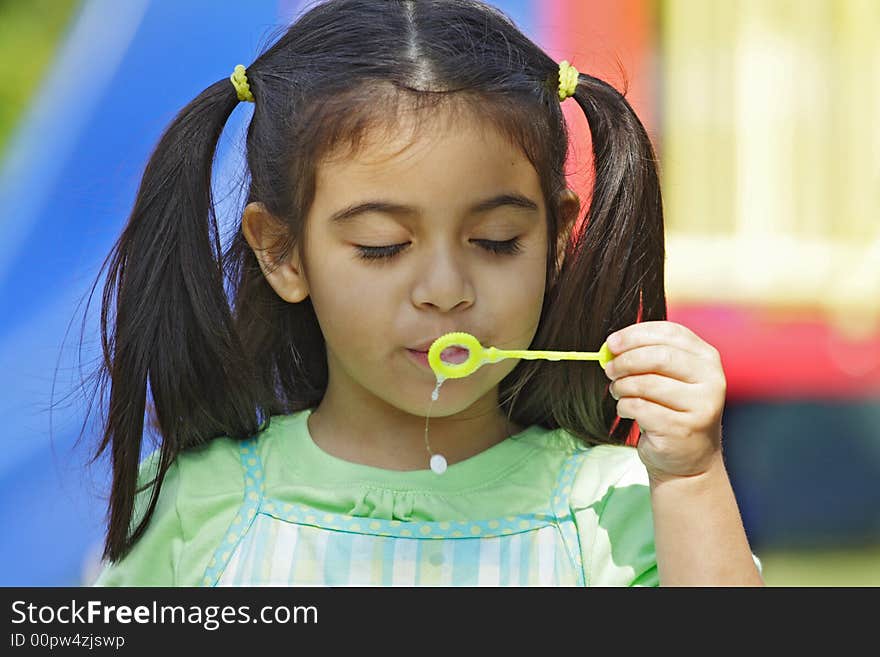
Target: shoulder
[604, 466]
[597, 466]
[551, 442]
[212, 461]
[214, 468]
[611, 483]
[201, 491]
[591, 471]
[611, 502]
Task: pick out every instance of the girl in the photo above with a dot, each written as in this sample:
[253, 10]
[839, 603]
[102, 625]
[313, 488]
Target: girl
[406, 179]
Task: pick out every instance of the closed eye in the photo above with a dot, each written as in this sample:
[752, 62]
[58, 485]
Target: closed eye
[506, 247]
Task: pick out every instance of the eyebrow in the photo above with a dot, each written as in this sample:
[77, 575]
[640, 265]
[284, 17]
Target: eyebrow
[395, 209]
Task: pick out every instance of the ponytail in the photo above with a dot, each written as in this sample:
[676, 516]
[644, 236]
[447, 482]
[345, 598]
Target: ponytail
[612, 275]
[172, 327]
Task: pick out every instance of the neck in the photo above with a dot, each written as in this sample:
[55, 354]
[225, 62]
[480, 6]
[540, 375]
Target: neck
[382, 436]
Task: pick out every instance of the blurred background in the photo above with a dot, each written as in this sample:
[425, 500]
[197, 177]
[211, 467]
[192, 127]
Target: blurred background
[763, 114]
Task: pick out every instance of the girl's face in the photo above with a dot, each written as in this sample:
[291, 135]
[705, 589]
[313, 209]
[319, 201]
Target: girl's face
[413, 236]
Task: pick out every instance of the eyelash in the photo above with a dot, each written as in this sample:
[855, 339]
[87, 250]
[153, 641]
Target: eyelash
[507, 247]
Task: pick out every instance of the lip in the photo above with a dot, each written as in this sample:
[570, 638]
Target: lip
[424, 346]
[421, 357]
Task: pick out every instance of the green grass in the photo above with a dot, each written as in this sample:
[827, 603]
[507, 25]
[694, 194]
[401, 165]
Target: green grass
[30, 31]
[842, 567]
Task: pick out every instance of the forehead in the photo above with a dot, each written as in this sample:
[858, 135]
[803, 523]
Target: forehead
[444, 154]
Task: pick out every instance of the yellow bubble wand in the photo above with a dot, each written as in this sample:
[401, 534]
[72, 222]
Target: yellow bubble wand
[478, 355]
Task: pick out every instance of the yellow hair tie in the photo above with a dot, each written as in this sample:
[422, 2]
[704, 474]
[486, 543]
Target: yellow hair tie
[239, 81]
[568, 80]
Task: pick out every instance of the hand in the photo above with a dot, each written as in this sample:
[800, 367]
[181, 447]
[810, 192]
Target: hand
[672, 383]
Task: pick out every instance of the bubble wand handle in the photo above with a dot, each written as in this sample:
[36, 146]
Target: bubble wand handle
[493, 355]
[479, 355]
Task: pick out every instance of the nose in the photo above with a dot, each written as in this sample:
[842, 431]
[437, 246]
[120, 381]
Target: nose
[443, 282]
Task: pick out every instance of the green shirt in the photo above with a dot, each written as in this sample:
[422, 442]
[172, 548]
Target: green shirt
[539, 508]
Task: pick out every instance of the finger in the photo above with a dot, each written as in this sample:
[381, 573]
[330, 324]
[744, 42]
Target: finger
[658, 333]
[658, 359]
[652, 417]
[671, 393]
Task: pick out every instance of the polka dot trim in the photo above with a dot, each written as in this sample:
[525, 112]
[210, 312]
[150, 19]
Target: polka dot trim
[253, 497]
[303, 515]
[559, 502]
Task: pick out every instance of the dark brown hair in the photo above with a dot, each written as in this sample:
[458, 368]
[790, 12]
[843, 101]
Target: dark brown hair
[193, 332]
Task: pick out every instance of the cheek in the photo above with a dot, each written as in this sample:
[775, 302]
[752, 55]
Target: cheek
[517, 299]
[527, 281]
[527, 301]
[352, 311]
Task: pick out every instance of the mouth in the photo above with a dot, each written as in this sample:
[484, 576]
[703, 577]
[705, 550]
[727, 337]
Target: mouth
[451, 355]
[454, 355]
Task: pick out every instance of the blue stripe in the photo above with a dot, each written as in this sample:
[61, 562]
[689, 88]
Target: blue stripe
[526, 550]
[338, 550]
[504, 556]
[387, 561]
[466, 562]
